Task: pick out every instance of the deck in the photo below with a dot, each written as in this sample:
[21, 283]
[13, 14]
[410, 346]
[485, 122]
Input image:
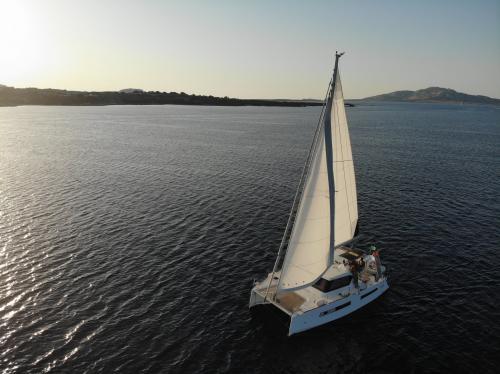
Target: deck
[289, 301]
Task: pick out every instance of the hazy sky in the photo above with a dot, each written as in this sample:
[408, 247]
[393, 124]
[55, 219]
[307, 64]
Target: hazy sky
[251, 49]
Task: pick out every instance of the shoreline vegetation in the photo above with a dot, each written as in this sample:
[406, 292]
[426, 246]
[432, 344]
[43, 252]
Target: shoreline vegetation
[11, 96]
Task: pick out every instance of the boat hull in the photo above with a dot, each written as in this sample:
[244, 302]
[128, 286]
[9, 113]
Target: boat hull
[303, 321]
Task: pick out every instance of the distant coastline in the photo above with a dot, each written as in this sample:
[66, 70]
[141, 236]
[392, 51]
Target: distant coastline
[10, 96]
[434, 95]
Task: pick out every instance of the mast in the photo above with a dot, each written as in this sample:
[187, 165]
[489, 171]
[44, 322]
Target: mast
[329, 156]
[336, 68]
[305, 172]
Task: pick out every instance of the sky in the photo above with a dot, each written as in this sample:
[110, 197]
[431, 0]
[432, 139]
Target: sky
[251, 49]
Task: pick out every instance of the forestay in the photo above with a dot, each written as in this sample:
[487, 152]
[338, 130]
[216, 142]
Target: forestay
[328, 213]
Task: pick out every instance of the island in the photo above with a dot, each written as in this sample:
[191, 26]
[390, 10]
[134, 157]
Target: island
[11, 96]
[434, 95]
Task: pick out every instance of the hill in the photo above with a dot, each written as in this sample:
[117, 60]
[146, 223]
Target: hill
[10, 96]
[435, 94]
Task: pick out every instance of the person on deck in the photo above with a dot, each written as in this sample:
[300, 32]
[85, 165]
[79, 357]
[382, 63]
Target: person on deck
[376, 255]
[354, 271]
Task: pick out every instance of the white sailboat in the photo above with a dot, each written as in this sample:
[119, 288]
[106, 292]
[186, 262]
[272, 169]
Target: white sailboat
[318, 276]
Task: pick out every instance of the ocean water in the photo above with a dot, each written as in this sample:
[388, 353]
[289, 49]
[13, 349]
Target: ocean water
[130, 237]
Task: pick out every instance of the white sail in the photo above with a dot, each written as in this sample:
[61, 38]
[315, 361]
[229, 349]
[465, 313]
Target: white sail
[327, 214]
[308, 253]
[346, 201]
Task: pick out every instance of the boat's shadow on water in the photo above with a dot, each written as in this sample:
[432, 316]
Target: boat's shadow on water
[273, 322]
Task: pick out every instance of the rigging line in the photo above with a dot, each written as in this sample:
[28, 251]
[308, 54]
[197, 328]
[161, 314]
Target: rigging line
[342, 153]
[296, 198]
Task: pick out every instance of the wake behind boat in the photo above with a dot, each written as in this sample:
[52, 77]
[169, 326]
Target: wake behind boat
[318, 276]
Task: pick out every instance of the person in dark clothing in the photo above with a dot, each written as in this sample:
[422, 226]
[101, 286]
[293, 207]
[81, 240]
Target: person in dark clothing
[354, 270]
[376, 255]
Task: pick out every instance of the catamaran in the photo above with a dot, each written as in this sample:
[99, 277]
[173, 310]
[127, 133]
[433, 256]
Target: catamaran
[319, 276]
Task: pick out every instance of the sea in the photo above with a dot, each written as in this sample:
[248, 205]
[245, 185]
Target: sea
[130, 237]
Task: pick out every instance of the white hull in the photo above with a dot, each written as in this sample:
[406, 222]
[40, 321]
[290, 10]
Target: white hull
[303, 319]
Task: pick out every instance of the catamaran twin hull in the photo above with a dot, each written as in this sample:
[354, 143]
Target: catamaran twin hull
[312, 307]
[302, 321]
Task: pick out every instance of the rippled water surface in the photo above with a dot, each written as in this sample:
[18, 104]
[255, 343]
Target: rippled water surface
[130, 236]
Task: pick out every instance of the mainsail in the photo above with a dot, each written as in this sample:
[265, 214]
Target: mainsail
[327, 214]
